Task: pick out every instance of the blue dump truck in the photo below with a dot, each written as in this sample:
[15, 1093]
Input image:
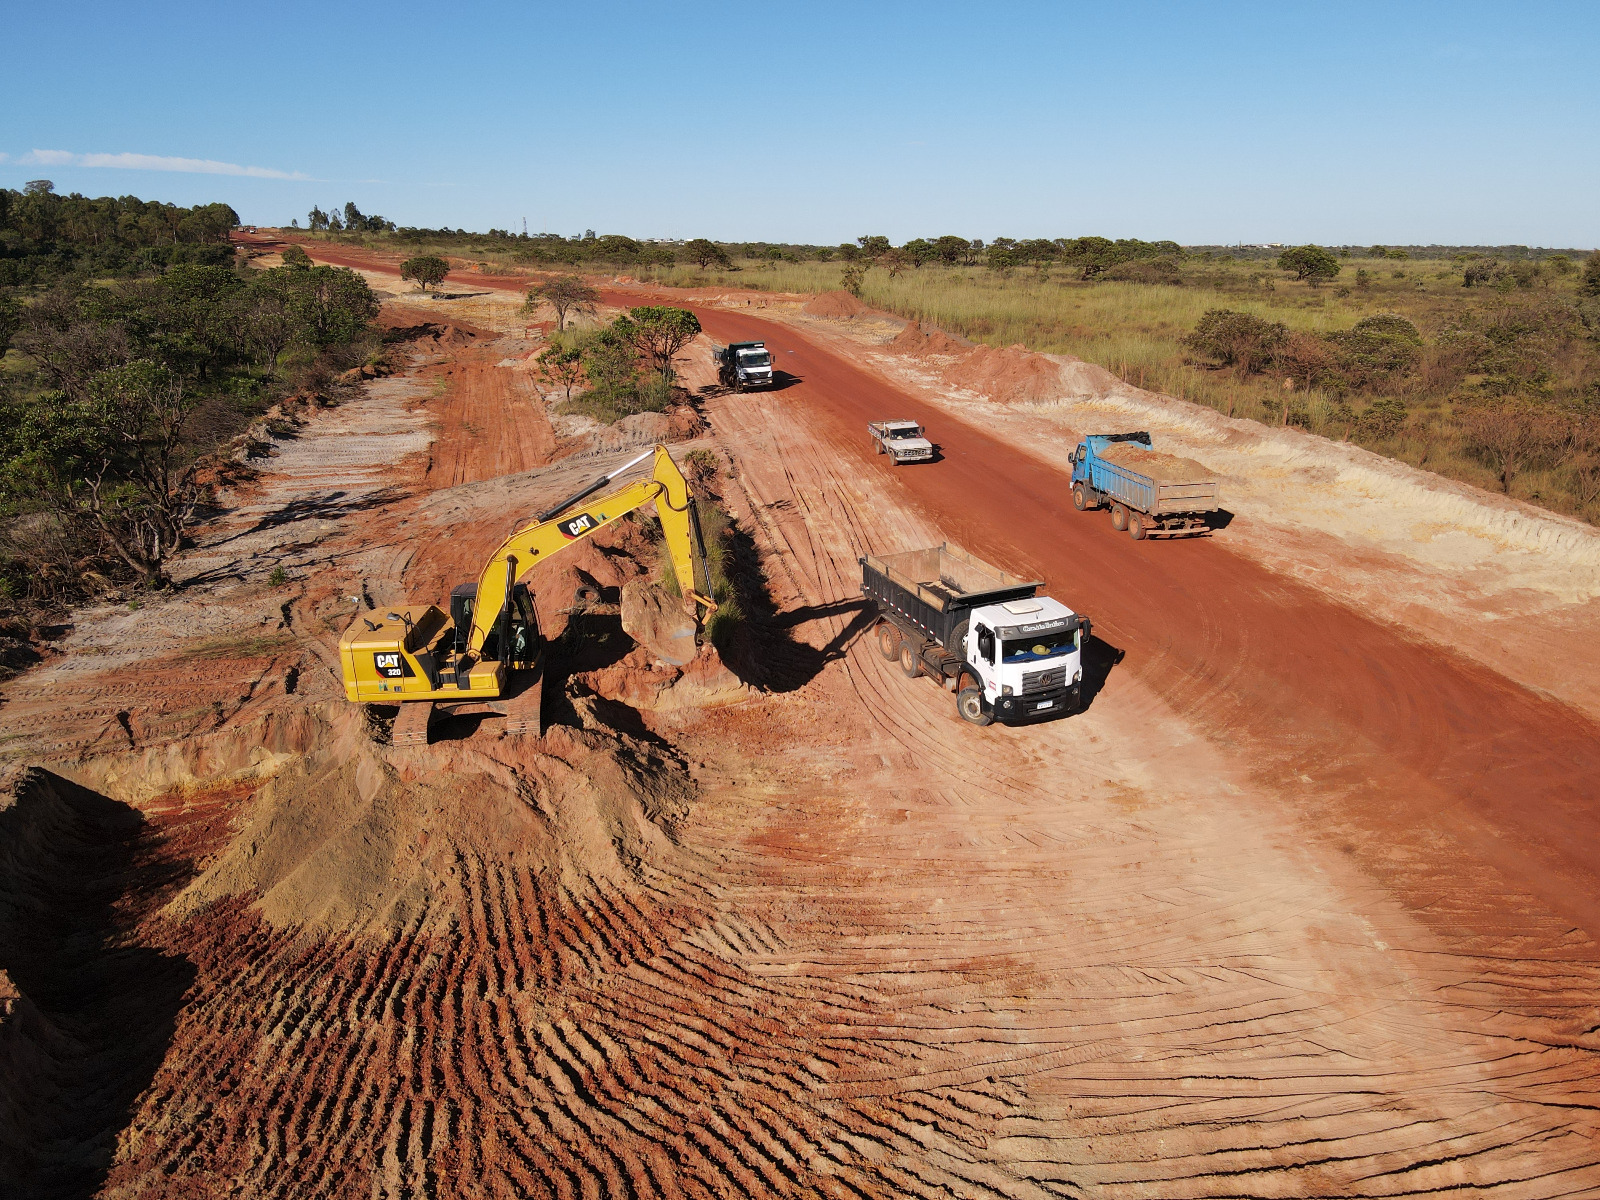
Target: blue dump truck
[1149, 493]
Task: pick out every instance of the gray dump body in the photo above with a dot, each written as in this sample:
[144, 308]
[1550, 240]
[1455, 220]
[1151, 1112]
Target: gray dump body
[933, 590]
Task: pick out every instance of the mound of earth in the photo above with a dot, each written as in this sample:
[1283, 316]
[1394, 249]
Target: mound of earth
[1012, 375]
[361, 837]
[1168, 468]
[838, 305]
[919, 342]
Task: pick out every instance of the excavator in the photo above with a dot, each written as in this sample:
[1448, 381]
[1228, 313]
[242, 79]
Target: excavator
[485, 655]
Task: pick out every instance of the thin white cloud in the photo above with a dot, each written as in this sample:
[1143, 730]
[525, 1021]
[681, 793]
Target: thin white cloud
[153, 162]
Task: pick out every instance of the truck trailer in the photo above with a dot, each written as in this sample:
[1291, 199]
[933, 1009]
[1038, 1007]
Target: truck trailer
[1007, 653]
[1149, 493]
[744, 365]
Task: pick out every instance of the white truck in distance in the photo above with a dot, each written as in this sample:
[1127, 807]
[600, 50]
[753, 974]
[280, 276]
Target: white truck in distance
[903, 441]
[744, 365]
[1008, 653]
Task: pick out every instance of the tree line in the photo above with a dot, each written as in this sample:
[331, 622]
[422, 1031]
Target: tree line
[118, 391]
[45, 236]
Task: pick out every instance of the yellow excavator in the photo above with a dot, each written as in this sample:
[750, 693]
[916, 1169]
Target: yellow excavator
[485, 655]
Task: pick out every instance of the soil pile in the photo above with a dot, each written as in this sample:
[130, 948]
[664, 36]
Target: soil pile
[1165, 468]
[918, 342]
[361, 838]
[836, 305]
[1014, 375]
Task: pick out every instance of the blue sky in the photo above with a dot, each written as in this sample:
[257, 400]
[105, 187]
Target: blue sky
[1334, 123]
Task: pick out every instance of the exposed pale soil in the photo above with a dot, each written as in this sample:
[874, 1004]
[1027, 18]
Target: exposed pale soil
[1300, 906]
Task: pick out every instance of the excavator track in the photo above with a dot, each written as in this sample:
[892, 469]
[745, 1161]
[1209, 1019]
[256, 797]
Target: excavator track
[411, 725]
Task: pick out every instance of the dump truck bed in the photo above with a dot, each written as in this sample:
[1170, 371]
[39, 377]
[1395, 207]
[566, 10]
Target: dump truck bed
[934, 589]
[1153, 492]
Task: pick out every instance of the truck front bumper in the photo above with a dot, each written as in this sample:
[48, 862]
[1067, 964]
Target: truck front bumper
[1038, 705]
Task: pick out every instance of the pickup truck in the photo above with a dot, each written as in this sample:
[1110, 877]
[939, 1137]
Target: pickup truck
[1007, 653]
[903, 441]
[1149, 493]
[744, 365]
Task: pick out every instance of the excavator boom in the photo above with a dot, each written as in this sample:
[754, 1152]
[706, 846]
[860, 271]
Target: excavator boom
[420, 653]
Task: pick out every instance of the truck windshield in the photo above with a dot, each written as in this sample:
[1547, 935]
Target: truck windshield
[754, 358]
[899, 432]
[1040, 645]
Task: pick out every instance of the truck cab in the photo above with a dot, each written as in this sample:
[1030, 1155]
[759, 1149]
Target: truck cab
[744, 365]
[1027, 658]
[902, 441]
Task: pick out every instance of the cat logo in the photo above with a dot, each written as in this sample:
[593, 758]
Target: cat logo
[389, 664]
[577, 526]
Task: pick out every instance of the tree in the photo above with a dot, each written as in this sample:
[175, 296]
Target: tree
[873, 245]
[611, 362]
[316, 219]
[10, 322]
[1509, 432]
[114, 458]
[561, 366]
[428, 270]
[269, 320]
[1310, 263]
[894, 261]
[1589, 282]
[1304, 358]
[658, 332]
[332, 304]
[1237, 339]
[704, 253]
[952, 250]
[295, 256]
[919, 251]
[566, 294]
[850, 279]
[1384, 417]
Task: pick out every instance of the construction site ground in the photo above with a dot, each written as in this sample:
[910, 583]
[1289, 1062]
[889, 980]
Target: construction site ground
[1305, 903]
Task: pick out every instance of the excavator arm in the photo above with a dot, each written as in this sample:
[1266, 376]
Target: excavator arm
[573, 520]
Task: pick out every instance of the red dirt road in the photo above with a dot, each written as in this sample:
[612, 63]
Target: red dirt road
[1388, 744]
[1323, 700]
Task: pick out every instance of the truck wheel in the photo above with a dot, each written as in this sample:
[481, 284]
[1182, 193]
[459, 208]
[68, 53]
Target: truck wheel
[1080, 498]
[1136, 526]
[969, 703]
[737, 386]
[1119, 517]
[888, 641]
[958, 640]
[909, 665]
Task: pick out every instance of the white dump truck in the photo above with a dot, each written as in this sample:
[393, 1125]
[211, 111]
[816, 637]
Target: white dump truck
[902, 441]
[1007, 653]
[744, 365]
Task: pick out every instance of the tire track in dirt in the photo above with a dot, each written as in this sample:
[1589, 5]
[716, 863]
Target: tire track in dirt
[886, 955]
